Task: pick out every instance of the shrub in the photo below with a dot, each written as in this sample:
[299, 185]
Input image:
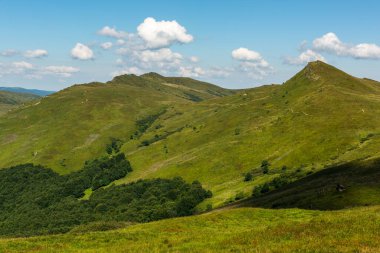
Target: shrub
[248, 177]
[265, 166]
[265, 188]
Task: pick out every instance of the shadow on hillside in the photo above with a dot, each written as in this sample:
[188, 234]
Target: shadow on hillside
[348, 185]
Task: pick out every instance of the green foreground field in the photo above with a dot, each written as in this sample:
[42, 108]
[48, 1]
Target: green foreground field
[227, 230]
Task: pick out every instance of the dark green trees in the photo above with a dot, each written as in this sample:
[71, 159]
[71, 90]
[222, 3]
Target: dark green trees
[35, 200]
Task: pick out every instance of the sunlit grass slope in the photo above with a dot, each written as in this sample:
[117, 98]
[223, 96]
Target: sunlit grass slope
[69, 127]
[320, 117]
[234, 230]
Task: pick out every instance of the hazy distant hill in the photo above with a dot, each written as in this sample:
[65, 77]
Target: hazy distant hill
[40, 93]
[10, 100]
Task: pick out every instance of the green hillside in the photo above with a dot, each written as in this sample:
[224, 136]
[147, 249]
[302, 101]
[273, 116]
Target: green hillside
[171, 127]
[343, 186]
[11, 100]
[76, 124]
[235, 230]
[320, 117]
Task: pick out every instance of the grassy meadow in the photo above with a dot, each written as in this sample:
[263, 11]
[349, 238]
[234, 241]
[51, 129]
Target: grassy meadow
[226, 230]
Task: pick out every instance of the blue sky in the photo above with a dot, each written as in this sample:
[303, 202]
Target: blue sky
[235, 44]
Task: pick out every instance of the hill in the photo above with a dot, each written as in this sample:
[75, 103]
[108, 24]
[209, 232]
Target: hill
[171, 127]
[10, 100]
[76, 124]
[320, 117]
[40, 93]
[234, 230]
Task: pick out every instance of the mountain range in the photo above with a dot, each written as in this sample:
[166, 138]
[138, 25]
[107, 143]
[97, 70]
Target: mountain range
[40, 93]
[169, 126]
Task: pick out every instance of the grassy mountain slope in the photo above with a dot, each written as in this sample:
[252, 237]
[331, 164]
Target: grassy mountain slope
[234, 230]
[71, 126]
[321, 116]
[10, 100]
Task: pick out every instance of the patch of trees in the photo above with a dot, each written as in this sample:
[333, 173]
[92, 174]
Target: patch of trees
[158, 137]
[193, 97]
[114, 146]
[35, 200]
[144, 123]
[278, 182]
[264, 169]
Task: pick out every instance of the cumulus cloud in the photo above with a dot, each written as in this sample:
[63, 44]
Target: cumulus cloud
[252, 63]
[82, 52]
[28, 70]
[106, 45]
[112, 32]
[38, 53]
[161, 60]
[244, 54]
[159, 34]
[305, 57]
[191, 71]
[16, 68]
[120, 42]
[22, 65]
[64, 71]
[194, 59]
[130, 70]
[330, 43]
[9, 53]
[160, 55]
[219, 72]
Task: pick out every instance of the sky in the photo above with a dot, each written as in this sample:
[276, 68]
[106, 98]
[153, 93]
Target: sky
[235, 44]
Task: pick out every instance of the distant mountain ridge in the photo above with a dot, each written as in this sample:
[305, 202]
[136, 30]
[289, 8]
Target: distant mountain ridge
[11, 100]
[37, 92]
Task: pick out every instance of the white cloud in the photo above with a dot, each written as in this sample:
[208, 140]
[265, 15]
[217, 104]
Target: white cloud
[162, 33]
[191, 71]
[365, 51]
[130, 70]
[219, 72]
[27, 70]
[22, 65]
[106, 45]
[256, 70]
[82, 52]
[64, 71]
[16, 68]
[244, 54]
[160, 55]
[120, 42]
[305, 57]
[119, 61]
[332, 44]
[8, 53]
[38, 53]
[112, 32]
[194, 59]
[252, 63]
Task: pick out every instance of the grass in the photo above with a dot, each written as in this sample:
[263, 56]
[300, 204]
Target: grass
[360, 180]
[11, 100]
[320, 117]
[228, 230]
